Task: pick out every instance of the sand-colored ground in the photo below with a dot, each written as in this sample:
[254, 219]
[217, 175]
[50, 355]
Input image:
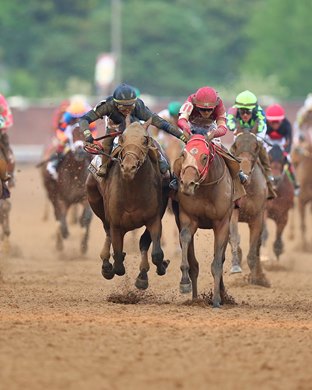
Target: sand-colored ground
[59, 328]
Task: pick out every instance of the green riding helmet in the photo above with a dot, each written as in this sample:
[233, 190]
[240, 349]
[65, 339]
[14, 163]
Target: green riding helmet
[174, 108]
[246, 99]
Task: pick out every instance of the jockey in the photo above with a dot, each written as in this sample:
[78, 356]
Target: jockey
[279, 131]
[248, 114]
[123, 102]
[66, 124]
[6, 121]
[205, 109]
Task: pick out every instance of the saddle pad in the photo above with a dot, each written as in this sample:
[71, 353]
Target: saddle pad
[94, 166]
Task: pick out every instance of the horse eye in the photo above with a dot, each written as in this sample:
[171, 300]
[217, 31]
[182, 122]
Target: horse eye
[145, 141]
[204, 158]
[120, 139]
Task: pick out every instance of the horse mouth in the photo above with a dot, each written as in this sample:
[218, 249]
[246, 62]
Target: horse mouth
[188, 189]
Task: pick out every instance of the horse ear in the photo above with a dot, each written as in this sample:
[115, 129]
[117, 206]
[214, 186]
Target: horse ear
[147, 123]
[128, 120]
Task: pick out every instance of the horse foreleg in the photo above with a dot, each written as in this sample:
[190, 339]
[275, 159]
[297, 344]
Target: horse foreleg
[194, 268]
[221, 234]
[107, 267]
[278, 245]
[155, 230]
[85, 221]
[253, 258]
[117, 237]
[142, 279]
[187, 232]
[303, 228]
[234, 242]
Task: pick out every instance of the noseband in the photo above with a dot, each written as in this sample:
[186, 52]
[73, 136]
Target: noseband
[139, 157]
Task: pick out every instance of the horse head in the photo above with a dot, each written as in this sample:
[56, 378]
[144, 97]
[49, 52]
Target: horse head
[195, 161]
[277, 162]
[77, 147]
[134, 147]
[246, 147]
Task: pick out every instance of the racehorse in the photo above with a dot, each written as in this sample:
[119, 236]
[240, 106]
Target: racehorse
[132, 195]
[69, 189]
[5, 206]
[251, 208]
[278, 208]
[302, 158]
[205, 201]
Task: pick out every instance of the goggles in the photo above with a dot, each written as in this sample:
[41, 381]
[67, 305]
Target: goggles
[205, 109]
[244, 111]
[125, 106]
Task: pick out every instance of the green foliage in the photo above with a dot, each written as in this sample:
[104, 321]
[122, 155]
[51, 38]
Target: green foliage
[169, 48]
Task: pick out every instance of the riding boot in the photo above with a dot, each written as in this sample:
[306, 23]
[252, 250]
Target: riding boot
[5, 191]
[53, 164]
[107, 145]
[163, 164]
[292, 176]
[174, 183]
[265, 162]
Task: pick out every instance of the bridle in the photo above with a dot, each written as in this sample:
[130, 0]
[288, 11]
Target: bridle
[139, 157]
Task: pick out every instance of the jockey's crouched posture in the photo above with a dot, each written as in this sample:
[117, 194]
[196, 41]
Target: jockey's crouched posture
[116, 107]
[64, 135]
[205, 110]
[246, 113]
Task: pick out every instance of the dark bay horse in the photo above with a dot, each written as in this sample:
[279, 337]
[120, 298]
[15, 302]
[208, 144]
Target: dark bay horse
[251, 209]
[70, 189]
[205, 201]
[132, 195]
[278, 208]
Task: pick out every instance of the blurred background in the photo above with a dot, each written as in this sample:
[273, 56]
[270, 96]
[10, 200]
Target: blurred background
[52, 49]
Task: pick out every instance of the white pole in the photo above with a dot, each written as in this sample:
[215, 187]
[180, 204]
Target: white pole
[116, 38]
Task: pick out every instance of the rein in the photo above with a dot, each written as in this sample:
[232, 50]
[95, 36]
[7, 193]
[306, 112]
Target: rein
[132, 153]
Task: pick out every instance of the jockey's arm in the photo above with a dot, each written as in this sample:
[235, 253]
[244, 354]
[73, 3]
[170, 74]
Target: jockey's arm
[144, 114]
[84, 124]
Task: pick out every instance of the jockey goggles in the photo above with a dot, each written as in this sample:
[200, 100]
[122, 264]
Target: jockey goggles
[205, 109]
[244, 111]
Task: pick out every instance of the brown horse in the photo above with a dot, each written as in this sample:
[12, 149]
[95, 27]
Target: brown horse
[205, 201]
[70, 189]
[134, 194]
[251, 209]
[302, 158]
[278, 208]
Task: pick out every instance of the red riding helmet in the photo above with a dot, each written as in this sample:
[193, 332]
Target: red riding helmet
[275, 112]
[206, 97]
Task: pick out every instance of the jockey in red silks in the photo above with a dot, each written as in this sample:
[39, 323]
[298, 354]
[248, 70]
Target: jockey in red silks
[77, 108]
[6, 121]
[279, 131]
[204, 111]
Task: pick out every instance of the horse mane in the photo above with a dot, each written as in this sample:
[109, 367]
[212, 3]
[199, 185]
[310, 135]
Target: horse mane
[276, 154]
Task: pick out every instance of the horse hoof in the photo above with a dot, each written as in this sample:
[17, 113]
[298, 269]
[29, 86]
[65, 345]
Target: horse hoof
[141, 284]
[108, 271]
[185, 288]
[236, 269]
[216, 305]
[259, 281]
[120, 271]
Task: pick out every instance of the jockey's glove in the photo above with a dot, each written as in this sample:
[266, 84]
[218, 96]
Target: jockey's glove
[88, 136]
[184, 137]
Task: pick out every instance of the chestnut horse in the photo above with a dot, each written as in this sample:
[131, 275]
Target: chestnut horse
[302, 158]
[132, 195]
[205, 201]
[278, 208]
[70, 189]
[251, 209]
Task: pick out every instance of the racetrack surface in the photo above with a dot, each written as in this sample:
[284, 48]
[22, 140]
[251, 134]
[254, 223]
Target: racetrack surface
[62, 326]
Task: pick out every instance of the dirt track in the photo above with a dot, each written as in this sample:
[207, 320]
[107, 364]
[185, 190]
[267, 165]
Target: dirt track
[59, 330]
